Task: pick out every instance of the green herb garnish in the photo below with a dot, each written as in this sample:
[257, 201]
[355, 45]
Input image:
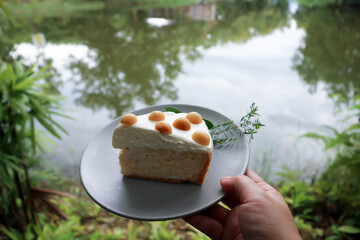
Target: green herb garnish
[208, 123]
[227, 132]
[172, 109]
[247, 124]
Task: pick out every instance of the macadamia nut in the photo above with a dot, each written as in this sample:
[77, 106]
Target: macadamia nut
[201, 137]
[182, 124]
[194, 118]
[128, 119]
[163, 127]
[156, 116]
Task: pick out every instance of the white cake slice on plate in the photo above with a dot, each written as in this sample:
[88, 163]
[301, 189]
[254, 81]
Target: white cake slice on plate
[164, 146]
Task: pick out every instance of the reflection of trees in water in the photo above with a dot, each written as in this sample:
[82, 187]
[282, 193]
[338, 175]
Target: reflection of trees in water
[132, 65]
[331, 50]
[138, 62]
[242, 20]
[322, 3]
[133, 61]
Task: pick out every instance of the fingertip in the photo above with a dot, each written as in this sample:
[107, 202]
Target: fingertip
[253, 176]
[242, 181]
[227, 184]
[225, 181]
[226, 178]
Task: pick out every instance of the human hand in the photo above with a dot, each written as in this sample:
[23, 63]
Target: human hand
[258, 211]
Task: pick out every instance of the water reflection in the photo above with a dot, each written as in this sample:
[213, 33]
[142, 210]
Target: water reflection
[132, 62]
[331, 50]
[136, 60]
[224, 57]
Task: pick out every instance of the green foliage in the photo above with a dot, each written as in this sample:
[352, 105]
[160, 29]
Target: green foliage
[306, 226]
[335, 196]
[70, 229]
[159, 231]
[133, 231]
[4, 9]
[344, 171]
[324, 3]
[249, 124]
[23, 105]
[197, 235]
[316, 3]
[86, 220]
[298, 194]
[53, 7]
[349, 229]
[6, 20]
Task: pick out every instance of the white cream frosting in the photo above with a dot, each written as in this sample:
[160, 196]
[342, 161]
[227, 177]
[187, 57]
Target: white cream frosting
[144, 134]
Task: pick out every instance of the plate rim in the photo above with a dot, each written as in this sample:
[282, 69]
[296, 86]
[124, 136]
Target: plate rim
[185, 214]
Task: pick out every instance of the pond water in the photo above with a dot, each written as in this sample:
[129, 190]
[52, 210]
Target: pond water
[117, 57]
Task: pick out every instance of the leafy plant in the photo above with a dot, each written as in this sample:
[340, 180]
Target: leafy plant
[298, 194]
[159, 231]
[4, 10]
[197, 235]
[302, 225]
[23, 105]
[132, 230]
[335, 195]
[344, 171]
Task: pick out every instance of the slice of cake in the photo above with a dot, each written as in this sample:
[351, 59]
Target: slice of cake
[164, 146]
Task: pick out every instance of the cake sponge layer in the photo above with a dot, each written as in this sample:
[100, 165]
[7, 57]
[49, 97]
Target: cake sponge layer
[165, 165]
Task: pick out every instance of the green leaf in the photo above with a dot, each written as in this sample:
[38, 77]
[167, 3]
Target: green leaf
[353, 127]
[13, 235]
[172, 109]
[58, 125]
[332, 129]
[349, 229]
[313, 136]
[11, 74]
[28, 82]
[61, 115]
[332, 238]
[36, 106]
[208, 123]
[48, 127]
[32, 134]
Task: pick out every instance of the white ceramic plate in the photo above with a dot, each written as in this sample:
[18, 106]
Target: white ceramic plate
[149, 200]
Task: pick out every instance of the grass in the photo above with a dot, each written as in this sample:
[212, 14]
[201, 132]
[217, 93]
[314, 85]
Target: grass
[84, 218]
[52, 8]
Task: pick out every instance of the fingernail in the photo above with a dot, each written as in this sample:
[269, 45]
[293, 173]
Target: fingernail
[226, 178]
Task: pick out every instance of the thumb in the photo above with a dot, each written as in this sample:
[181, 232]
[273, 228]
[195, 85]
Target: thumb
[240, 187]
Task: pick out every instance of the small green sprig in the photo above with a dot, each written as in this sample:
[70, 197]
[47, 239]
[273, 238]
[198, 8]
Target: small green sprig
[248, 124]
[224, 133]
[228, 131]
